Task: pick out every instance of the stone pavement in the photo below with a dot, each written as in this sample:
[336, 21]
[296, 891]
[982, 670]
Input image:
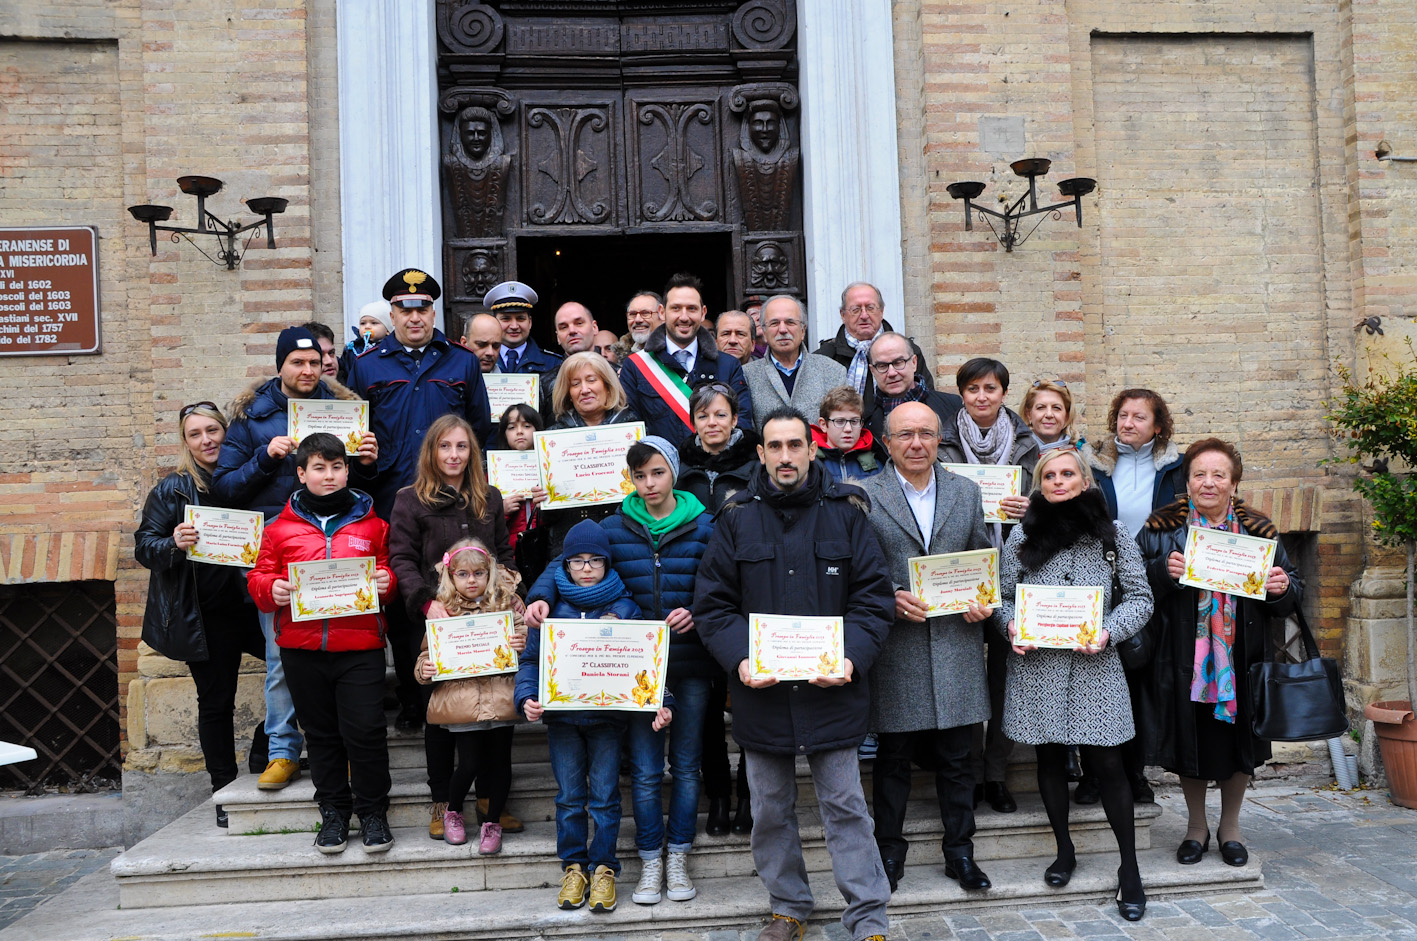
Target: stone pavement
[1336, 865]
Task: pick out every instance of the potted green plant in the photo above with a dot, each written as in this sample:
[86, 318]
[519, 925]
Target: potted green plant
[1377, 420]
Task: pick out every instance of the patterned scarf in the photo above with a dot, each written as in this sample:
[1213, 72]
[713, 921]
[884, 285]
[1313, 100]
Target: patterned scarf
[991, 447]
[1213, 672]
[857, 371]
[913, 394]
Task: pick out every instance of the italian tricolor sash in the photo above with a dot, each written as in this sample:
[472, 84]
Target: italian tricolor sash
[671, 386]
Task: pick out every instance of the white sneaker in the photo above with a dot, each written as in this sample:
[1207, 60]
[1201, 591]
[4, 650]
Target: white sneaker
[647, 892]
[681, 887]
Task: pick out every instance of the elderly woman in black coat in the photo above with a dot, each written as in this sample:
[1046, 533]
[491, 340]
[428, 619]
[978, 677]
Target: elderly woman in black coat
[1199, 694]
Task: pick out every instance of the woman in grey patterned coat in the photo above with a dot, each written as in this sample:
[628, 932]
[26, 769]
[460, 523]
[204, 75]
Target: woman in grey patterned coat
[1054, 697]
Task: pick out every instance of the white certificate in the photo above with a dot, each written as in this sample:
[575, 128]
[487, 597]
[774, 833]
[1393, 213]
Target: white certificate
[1233, 563]
[603, 664]
[507, 389]
[1052, 616]
[333, 588]
[948, 583]
[795, 648]
[513, 471]
[347, 421]
[225, 537]
[584, 466]
[475, 645]
[995, 481]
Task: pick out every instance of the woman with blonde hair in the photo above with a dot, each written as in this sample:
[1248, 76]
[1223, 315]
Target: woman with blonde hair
[1048, 411]
[199, 613]
[1055, 697]
[448, 500]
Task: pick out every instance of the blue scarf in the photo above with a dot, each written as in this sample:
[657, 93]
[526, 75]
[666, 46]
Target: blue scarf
[590, 597]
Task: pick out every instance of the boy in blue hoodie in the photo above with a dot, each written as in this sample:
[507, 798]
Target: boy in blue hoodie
[585, 745]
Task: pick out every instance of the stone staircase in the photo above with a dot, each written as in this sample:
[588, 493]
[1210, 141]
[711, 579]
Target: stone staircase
[242, 881]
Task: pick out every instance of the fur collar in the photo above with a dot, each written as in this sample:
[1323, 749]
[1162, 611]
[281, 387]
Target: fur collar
[1174, 515]
[1104, 457]
[244, 406]
[658, 341]
[1050, 528]
[737, 454]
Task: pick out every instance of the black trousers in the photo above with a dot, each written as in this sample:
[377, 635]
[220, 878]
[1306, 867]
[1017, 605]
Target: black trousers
[339, 702]
[714, 764]
[405, 640]
[944, 751]
[487, 756]
[231, 630]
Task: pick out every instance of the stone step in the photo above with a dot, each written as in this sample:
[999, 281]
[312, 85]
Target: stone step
[252, 811]
[192, 862]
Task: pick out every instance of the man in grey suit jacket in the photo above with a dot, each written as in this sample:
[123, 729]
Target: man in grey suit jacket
[789, 375]
[928, 685]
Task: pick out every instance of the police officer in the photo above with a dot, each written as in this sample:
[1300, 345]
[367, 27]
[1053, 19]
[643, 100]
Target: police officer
[511, 303]
[413, 376]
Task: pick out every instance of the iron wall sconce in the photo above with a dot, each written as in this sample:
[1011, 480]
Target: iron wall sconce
[207, 224]
[1032, 168]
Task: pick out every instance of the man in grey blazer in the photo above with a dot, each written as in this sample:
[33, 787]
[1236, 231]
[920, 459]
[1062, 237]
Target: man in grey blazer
[789, 375]
[928, 685]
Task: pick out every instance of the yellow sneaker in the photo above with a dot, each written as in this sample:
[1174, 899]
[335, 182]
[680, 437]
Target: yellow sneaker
[435, 823]
[573, 886]
[602, 890]
[279, 773]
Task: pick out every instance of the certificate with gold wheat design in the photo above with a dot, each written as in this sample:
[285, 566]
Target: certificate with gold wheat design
[1233, 563]
[1054, 616]
[507, 389]
[995, 481]
[225, 537]
[586, 466]
[950, 582]
[603, 664]
[513, 471]
[347, 421]
[791, 647]
[332, 588]
[473, 645]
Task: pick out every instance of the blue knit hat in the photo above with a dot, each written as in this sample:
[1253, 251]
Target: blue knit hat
[586, 536]
[292, 339]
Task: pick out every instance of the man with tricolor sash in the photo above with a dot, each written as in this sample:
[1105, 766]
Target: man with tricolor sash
[679, 356]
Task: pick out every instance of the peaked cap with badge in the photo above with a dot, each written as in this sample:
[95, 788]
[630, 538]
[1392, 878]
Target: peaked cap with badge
[510, 295]
[412, 287]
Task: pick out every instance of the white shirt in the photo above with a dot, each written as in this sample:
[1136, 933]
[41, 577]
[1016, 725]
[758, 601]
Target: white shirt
[922, 505]
[671, 348]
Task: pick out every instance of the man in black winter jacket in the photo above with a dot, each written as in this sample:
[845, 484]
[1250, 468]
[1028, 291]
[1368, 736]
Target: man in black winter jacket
[797, 543]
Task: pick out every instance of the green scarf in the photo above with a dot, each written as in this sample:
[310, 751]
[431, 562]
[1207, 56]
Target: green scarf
[686, 508]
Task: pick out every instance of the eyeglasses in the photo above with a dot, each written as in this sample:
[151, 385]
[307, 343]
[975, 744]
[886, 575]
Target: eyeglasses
[844, 423]
[860, 309]
[1051, 382]
[583, 564]
[896, 364]
[189, 409]
[924, 437]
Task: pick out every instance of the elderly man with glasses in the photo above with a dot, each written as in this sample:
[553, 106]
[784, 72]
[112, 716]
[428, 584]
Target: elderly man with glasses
[789, 375]
[863, 319]
[895, 371]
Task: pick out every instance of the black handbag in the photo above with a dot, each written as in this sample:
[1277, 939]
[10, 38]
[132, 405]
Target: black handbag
[1136, 650]
[1297, 702]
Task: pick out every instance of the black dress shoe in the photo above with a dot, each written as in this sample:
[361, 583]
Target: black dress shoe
[1088, 791]
[969, 875]
[743, 820]
[1141, 790]
[1059, 874]
[221, 816]
[895, 871]
[1234, 853]
[1191, 851]
[409, 719]
[1131, 909]
[717, 823]
[999, 798]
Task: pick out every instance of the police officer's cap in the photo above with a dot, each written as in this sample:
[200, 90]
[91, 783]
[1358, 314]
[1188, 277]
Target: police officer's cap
[509, 296]
[412, 287]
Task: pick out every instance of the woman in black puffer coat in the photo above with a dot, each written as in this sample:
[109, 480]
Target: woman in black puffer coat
[199, 613]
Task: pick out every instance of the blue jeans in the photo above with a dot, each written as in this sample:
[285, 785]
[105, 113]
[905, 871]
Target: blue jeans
[280, 709]
[586, 762]
[686, 748]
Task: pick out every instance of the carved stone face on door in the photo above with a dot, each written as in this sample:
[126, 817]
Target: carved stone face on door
[770, 267]
[764, 129]
[476, 136]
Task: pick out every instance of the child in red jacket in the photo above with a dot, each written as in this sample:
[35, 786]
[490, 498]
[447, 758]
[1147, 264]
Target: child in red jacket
[334, 666]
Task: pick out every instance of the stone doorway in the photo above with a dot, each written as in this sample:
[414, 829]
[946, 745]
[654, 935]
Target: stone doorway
[602, 272]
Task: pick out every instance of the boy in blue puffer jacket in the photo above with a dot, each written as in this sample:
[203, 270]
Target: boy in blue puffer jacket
[585, 745]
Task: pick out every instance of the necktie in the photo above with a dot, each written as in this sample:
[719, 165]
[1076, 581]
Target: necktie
[683, 358]
[510, 363]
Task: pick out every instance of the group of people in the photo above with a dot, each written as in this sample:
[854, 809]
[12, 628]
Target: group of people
[770, 480]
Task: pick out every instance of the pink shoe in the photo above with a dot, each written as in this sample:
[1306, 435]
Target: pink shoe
[491, 839]
[454, 833]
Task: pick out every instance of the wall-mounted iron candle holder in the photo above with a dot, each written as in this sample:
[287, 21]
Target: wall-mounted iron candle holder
[1032, 168]
[207, 224]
